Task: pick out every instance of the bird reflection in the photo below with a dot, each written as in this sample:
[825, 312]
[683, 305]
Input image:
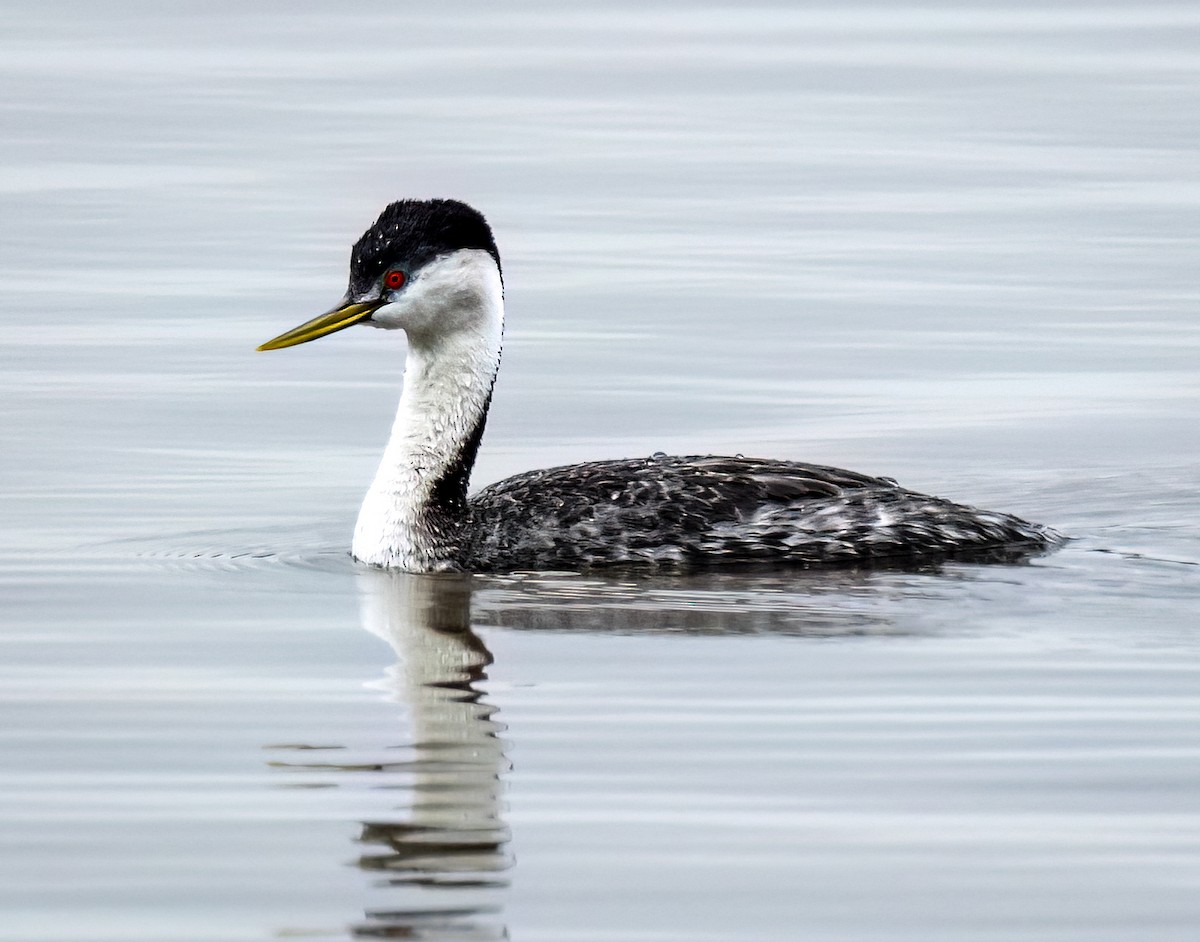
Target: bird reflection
[436, 858]
[453, 838]
[436, 854]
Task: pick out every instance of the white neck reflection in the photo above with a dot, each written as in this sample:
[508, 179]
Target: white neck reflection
[452, 836]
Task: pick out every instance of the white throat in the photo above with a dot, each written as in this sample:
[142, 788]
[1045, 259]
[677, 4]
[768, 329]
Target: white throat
[414, 514]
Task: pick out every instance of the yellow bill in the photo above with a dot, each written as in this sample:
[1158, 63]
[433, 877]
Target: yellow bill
[337, 319]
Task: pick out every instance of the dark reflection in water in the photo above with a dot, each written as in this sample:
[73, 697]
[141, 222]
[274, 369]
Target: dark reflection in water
[789, 601]
[436, 859]
[440, 856]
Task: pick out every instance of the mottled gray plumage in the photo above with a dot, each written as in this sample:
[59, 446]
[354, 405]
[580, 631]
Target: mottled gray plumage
[682, 512]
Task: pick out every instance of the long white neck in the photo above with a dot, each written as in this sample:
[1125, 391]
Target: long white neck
[414, 513]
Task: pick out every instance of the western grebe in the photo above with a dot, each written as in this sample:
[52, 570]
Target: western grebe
[431, 268]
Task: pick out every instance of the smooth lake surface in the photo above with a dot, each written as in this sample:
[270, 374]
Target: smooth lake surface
[951, 243]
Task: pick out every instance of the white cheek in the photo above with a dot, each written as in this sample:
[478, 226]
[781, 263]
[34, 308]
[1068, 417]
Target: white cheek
[395, 315]
[452, 293]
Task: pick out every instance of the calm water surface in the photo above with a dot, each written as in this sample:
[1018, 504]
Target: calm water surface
[950, 244]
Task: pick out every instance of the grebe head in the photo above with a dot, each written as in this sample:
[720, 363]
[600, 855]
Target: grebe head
[428, 267]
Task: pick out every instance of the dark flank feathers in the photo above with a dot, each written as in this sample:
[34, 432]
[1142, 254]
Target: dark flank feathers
[409, 233]
[682, 512]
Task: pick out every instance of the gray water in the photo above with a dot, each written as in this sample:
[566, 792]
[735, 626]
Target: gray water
[951, 243]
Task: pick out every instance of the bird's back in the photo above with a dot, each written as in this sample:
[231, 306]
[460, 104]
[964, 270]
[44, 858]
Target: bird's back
[672, 512]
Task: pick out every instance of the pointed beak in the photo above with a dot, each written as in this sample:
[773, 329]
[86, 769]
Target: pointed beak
[339, 318]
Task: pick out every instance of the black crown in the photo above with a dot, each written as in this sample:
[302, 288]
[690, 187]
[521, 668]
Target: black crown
[410, 233]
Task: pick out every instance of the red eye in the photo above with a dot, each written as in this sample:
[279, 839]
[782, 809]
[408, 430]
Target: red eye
[394, 279]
